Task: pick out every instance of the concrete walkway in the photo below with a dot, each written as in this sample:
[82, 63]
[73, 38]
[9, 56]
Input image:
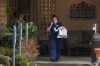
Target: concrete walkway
[65, 61]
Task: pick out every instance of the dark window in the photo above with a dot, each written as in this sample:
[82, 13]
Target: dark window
[82, 10]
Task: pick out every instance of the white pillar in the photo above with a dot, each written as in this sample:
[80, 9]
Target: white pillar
[20, 39]
[14, 43]
[27, 36]
[95, 28]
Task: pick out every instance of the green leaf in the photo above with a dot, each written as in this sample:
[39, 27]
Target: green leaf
[8, 10]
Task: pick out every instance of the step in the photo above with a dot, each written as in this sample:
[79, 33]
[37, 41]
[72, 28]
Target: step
[54, 64]
[65, 61]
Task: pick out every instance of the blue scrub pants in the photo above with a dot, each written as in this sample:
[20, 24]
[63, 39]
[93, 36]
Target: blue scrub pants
[55, 46]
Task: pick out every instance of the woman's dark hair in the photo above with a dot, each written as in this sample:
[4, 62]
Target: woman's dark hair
[54, 16]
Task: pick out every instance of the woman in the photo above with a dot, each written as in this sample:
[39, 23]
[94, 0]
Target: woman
[55, 43]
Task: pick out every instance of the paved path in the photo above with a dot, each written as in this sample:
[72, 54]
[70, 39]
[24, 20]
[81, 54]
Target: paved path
[65, 61]
[62, 65]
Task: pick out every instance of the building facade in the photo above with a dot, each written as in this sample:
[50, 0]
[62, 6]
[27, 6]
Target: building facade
[39, 12]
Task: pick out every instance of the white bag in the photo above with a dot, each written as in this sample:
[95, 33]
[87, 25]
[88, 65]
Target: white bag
[62, 32]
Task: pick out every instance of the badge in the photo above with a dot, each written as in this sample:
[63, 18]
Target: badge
[56, 25]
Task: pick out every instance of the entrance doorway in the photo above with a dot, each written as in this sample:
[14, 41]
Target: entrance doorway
[77, 44]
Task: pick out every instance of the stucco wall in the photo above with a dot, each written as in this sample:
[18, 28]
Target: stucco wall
[62, 11]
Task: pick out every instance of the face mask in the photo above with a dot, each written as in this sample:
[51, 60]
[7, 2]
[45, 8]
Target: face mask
[55, 21]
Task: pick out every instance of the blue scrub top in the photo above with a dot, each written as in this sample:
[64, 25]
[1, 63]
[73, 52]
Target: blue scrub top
[57, 25]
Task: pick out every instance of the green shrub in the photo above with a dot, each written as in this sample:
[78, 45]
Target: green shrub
[2, 51]
[3, 30]
[7, 51]
[21, 60]
[32, 30]
[31, 63]
[5, 36]
[5, 60]
[7, 40]
[8, 10]
[1, 64]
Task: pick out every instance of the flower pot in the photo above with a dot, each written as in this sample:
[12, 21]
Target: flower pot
[97, 52]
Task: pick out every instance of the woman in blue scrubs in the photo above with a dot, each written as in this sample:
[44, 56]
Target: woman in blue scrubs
[55, 43]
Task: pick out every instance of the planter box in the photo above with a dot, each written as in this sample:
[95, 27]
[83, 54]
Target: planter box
[97, 52]
[1, 65]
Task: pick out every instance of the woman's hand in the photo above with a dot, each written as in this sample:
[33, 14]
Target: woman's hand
[49, 28]
[51, 24]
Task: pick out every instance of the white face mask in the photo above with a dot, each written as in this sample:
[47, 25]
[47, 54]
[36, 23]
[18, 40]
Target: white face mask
[55, 21]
